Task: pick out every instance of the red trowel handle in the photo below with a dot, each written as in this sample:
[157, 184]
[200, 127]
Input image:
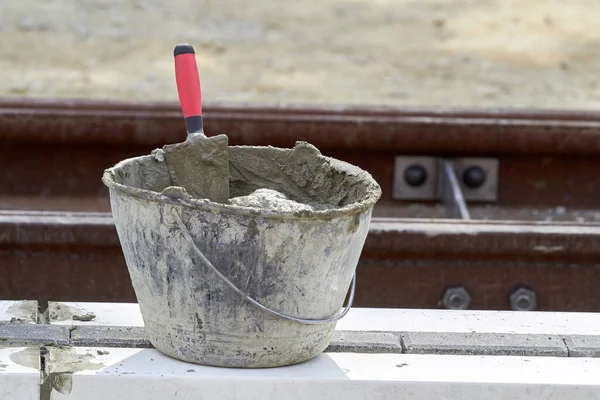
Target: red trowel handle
[188, 87]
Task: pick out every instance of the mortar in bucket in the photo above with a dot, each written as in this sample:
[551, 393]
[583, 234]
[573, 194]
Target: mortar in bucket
[257, 278]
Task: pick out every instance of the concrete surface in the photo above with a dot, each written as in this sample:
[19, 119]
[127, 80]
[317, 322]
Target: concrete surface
[104, 358]
[19, 373]
[393, 320]
[484, 344]
[109, 336]
[26, 334]
[24, 311]
[361, 331]
[583, 346]
[131, 374]
[364, 342]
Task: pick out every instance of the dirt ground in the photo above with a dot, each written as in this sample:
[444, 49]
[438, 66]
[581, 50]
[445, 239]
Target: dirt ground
[493, 53]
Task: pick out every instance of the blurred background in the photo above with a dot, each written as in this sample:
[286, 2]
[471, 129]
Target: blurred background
[490, 53]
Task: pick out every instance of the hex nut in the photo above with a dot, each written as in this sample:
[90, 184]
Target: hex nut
[522, 299]
[456, 298]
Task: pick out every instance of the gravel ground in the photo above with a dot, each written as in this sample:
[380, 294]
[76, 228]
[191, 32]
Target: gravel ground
[493, 53]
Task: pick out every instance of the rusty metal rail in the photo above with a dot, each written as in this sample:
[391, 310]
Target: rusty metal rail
[405, 263]
[53, 155]
[51, 150]
[349, 128]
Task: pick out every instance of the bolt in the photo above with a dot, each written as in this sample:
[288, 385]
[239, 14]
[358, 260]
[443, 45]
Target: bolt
[522, 298]
[456, 298]
[474, 177]
[415, 175]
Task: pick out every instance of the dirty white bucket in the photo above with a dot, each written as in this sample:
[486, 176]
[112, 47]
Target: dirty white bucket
[226, 285]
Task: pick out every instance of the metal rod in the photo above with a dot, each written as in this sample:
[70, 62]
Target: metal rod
[451, 193]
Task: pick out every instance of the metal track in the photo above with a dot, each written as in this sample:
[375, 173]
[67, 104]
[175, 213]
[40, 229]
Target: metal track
[405, 263]
[53, 155]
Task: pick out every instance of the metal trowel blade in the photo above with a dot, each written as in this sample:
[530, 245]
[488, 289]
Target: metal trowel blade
[201, 166]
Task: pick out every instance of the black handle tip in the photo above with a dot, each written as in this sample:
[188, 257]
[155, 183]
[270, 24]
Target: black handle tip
[183, 49]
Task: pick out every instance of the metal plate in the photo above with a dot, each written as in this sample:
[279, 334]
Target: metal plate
[548, 158]
[488, 192]
[404, 191]
[549, 172]
[450, 191]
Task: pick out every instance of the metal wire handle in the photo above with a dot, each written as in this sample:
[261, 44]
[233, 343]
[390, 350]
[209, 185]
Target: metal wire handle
[308, 321]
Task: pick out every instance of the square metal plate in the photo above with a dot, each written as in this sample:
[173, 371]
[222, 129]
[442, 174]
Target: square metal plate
[488, 192]
[403, 191]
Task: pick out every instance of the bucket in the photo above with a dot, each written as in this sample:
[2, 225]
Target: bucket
[244, 285]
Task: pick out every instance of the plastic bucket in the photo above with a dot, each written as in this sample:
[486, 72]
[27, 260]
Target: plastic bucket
[236, 286]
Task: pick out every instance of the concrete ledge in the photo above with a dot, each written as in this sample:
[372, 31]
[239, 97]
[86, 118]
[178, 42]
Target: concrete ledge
[99, 351]
[134, 337]
[484, 344]
[362, 331]
[109, 336]
[375, 319]
[82, 373]
[28, 334]
[583, 346]
[343, 341]
[364, 342]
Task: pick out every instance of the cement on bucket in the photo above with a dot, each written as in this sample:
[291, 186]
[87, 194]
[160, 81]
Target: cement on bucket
[258, 282]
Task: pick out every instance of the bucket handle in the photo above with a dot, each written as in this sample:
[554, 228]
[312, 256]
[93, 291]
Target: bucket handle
[307, 321]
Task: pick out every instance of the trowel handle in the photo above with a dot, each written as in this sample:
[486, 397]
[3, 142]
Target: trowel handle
[188, 87]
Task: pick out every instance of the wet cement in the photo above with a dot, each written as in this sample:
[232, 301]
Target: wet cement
[29, 357]
[64, 362]
[270, 199]
[288, 181]
[301, 175]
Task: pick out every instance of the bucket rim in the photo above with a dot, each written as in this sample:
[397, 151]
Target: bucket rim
[366, 204]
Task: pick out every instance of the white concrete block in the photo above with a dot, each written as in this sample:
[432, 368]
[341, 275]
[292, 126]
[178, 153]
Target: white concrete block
[464, 321]
[131, 374]
[382, 319]
[102, 314]
[18, 311]
[19, 373]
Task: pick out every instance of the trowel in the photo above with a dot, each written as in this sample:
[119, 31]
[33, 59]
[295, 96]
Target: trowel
[200, 164]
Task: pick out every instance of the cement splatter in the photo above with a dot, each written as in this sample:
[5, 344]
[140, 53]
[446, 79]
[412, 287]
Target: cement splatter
[84, 317]
[23, 311]
[62, 312]
[62, 383]
[68, 360]
[63, 362]
[29, 357]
